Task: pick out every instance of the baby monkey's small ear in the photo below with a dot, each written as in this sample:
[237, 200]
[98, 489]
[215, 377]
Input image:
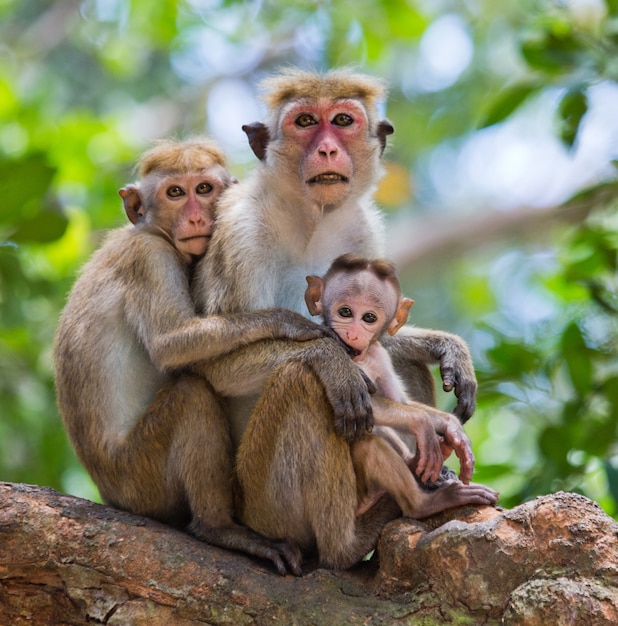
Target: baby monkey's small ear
[401, 315]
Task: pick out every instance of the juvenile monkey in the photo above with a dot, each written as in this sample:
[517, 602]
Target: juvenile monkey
[309, 201]
[360, 299]
[153, 436]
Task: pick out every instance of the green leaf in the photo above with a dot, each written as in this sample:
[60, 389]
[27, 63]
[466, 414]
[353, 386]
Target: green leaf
[612, 6]
[22, 182]
[572, 108]
[577, 356]
[553, 445]
[514, 357]
[553, 51]
[44, 227]
[507, 101]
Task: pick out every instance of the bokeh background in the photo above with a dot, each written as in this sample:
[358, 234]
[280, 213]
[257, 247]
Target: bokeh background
[500, 192]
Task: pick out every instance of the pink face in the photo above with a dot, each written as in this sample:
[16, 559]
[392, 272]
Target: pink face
[332, 137]
[359, 313]
[189, 201]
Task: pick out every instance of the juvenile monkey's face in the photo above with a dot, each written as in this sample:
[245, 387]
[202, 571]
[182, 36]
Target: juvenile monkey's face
[330, 141]
[357, 309]
[188, 208]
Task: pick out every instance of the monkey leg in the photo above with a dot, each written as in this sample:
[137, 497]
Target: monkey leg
[296, 474]
[380, 469]
[171, 462]
[176, 465]
[396, 441]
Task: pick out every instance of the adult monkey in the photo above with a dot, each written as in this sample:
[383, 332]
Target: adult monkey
[152, 435]
[308, 202]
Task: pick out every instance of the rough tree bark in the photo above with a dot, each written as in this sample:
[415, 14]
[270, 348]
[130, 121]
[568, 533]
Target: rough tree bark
[64, 560]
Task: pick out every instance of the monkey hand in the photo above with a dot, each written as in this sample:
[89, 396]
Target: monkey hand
[451, 431]
[457, 371]
[288, 324]
[347, 388]
[428, 457]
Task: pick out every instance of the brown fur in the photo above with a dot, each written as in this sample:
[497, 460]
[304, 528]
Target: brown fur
[155, 438]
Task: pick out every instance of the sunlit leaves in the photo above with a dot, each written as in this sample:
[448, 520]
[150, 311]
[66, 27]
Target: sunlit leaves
[395, 188]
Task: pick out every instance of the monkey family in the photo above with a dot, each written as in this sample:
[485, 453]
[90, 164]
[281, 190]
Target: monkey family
[245, 422]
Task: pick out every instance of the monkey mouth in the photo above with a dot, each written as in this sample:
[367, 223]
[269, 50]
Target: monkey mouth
[327, 178]
[185, 239]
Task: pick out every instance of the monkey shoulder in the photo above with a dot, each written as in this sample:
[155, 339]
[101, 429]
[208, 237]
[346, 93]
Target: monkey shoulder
[142, 258]
[125, 279]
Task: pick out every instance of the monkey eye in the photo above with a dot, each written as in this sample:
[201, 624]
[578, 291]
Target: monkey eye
[175, 191]
[304, 120]
[203, 188]
[344, 311]
[370, 318]
[343, 119]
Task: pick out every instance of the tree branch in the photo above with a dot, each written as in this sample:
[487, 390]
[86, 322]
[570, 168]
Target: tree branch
[414, 242]
[64, 560]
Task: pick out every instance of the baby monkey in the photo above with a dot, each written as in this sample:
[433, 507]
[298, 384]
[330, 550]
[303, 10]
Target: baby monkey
[360, 299]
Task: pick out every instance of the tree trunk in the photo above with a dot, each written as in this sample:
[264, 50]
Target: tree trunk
[64, 560]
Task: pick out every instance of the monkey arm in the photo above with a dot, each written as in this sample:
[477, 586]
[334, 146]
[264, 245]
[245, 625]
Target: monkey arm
[426, 423]
[244, 371]
[160, 311]
[203, 339]
[450, 351]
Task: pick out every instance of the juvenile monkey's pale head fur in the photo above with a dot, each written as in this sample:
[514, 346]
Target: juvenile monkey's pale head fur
[174, 156]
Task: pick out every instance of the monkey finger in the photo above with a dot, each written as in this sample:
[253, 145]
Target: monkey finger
[292, 555]
[466, 461]
[466, 405]
[371, 386]
[284, 556]
[445, 449]
[456, 438]
[429, 457]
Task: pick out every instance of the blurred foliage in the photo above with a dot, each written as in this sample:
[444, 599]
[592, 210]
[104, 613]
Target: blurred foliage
[86, 84]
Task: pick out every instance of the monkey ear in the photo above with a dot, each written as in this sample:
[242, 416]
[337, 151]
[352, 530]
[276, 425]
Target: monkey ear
[385, 128]
[133, 205]
[401, 315]
[259, 137]
[313, 294]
